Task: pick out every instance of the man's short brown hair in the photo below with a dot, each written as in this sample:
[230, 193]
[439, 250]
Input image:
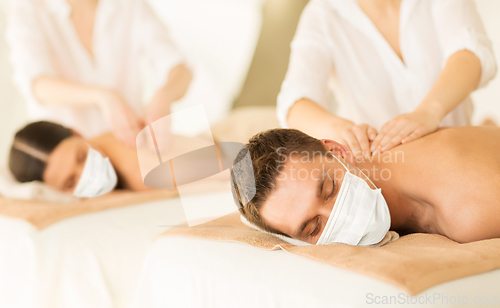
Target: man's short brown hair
[267, 151]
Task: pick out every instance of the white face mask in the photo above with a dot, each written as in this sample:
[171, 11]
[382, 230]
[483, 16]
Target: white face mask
[98, 176]
[360, 215]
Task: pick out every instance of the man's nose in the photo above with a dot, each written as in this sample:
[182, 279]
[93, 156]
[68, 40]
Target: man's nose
[326, 209]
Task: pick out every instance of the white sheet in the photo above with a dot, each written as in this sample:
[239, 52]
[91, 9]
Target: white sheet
[94, 260]
[91, 260]
[17, 263]
[182, 272]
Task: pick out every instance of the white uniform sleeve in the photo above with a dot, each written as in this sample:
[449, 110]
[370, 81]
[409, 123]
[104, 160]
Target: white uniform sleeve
[310, 62]
[155, 43]
[459, 27]
[30, 52]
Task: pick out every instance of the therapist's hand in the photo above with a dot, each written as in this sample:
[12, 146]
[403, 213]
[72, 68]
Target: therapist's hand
[405, 128]
[358, 138]
[124, 122]
[158, 108]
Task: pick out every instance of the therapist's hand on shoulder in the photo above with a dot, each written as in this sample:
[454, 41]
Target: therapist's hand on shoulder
[125, 124]
[358, 138]
[405, 128]
[158, 108]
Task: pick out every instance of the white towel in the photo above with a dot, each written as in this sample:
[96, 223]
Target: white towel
[286, 239]
[36, 190]
[389, 237]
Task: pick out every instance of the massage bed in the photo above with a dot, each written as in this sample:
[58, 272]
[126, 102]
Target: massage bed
[17, 262]
[193, 272]
[110, 258]
[90, 260]
[182, 272]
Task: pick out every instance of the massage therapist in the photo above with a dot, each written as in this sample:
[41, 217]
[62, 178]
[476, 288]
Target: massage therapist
[77, 63]
[402, 67]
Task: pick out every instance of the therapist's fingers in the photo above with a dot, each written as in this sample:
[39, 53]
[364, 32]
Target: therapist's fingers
[361, 133]
[381, 135]
[161, 127]
[123, 120]
[129, 128]
[372, 133]
[162, 134]
[135, 128]
[120, 129]
[352, 142]
[398, 137]
[400, 127]
[125, 135]
[413, 136]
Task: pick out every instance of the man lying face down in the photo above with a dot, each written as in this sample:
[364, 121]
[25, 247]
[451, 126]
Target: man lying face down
[314, 190]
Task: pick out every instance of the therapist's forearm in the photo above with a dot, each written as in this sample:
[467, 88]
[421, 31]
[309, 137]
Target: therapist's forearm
[177, 84]
[459, 78]
[311, 118]
[61, 92]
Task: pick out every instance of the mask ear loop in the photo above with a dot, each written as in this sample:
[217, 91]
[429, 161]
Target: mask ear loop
[23, 147]
[347, 169]
[351, 172]
[368, 179]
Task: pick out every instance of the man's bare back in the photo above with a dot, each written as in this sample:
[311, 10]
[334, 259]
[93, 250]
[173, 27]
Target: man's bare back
[446, 183]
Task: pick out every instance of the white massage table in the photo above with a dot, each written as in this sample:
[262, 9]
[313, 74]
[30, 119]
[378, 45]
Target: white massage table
[17, 262]
[95, 260]
[186, 272]
[90, 260]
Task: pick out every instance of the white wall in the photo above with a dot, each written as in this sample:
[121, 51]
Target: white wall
[487, 100]
[12, 109]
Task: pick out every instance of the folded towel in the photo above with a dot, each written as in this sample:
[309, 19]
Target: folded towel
[389, 237]
[42, 214]
[413, 263]
[10, 188]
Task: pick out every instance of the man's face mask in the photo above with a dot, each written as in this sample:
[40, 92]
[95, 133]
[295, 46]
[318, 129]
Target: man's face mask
[360, 215]
[98, 176]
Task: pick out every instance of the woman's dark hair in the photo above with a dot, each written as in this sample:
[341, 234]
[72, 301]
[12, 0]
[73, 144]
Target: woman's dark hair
[41, 137]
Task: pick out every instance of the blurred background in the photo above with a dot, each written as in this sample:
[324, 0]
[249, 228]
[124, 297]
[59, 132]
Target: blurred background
[240, 50]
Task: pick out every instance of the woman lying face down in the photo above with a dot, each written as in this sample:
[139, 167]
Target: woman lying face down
[61, 158]
[315, 191]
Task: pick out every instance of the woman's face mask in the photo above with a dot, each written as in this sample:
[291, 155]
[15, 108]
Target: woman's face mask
[360, 215]
[98, 176]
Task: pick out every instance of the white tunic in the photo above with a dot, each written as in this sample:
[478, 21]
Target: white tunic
[337, 47]
[43, 41]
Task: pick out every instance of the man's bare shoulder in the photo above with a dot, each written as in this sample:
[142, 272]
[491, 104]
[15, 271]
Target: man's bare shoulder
[471, 139]
[467, 168]
[467, 133]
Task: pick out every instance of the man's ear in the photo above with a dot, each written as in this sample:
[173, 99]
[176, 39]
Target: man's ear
[339, 149]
